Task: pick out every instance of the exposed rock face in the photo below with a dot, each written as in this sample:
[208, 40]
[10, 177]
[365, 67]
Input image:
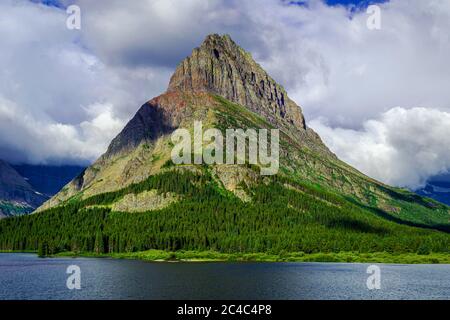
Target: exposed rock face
[145, 201]
[150, 122]
[220, 66]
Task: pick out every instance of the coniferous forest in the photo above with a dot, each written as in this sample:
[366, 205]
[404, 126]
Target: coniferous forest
[302, 218]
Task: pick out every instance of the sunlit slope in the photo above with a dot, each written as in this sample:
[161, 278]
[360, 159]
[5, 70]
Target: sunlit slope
[135, 198]
[315, 203]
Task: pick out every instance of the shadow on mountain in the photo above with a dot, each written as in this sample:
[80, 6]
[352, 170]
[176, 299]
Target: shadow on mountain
[387, 216]
[410, 197]
[355, 225]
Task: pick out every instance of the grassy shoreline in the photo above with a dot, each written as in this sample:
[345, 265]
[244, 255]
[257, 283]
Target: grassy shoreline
[212, 256]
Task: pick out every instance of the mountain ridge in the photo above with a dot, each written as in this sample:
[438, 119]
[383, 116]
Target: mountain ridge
[245, 82]
[220, 69]
[135, 198]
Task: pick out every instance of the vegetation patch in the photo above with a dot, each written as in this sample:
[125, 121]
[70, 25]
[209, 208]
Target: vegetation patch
[277, 221]
[212, 256]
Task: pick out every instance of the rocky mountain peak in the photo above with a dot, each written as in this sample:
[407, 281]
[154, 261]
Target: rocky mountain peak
[217, 74]
[217, 67]
[221, 67]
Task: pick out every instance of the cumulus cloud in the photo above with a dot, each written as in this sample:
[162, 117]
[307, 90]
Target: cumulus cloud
[326, 57]
[59, 102]
[26, 138]
[339, 71]
[152, 32]
[334, 66]
[402, 147]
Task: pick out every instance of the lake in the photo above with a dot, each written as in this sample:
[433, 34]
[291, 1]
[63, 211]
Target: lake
[25, 276]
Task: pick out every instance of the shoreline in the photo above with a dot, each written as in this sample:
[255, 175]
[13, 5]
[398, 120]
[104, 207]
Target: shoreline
[212, 256]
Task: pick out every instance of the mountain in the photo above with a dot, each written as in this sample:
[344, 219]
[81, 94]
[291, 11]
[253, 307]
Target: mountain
[134, 197]
[17, 196]
[23, 188]
[438, 188]
[219, 68]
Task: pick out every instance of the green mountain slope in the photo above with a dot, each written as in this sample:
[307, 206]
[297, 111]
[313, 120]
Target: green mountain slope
[134, 198]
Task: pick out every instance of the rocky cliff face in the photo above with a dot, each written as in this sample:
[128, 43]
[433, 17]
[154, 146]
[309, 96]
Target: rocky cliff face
[222, 86]
[218, 68]
[149, 123]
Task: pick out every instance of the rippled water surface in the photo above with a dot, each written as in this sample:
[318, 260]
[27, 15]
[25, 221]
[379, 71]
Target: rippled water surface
[25, 276]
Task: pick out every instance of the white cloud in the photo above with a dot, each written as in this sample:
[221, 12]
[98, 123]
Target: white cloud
[402, 147]
[25, 138]
[150, 32]
[338, 68]
[53, 89]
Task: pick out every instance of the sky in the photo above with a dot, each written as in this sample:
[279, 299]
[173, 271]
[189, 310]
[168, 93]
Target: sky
[378, 98]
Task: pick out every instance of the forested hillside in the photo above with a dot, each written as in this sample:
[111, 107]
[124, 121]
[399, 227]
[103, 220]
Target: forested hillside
[284, 215]
[134, 198]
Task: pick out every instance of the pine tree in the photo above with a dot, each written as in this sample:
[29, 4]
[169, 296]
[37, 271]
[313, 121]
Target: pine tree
[43, 249]
[99, 246]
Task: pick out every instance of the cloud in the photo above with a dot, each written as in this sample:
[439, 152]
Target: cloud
[331, 64]
[336, 67]
[59, 102]
[402, 147]
[325, 56]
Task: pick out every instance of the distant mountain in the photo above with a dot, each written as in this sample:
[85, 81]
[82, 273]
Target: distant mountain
[134, 197]
[48, 180]
[23, 188]
[437, 188]
[17, 196]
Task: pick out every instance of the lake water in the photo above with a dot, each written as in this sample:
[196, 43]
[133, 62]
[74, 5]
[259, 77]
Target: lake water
[24, 276]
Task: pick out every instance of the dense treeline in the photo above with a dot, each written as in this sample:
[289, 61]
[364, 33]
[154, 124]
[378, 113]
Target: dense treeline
[279, 219]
